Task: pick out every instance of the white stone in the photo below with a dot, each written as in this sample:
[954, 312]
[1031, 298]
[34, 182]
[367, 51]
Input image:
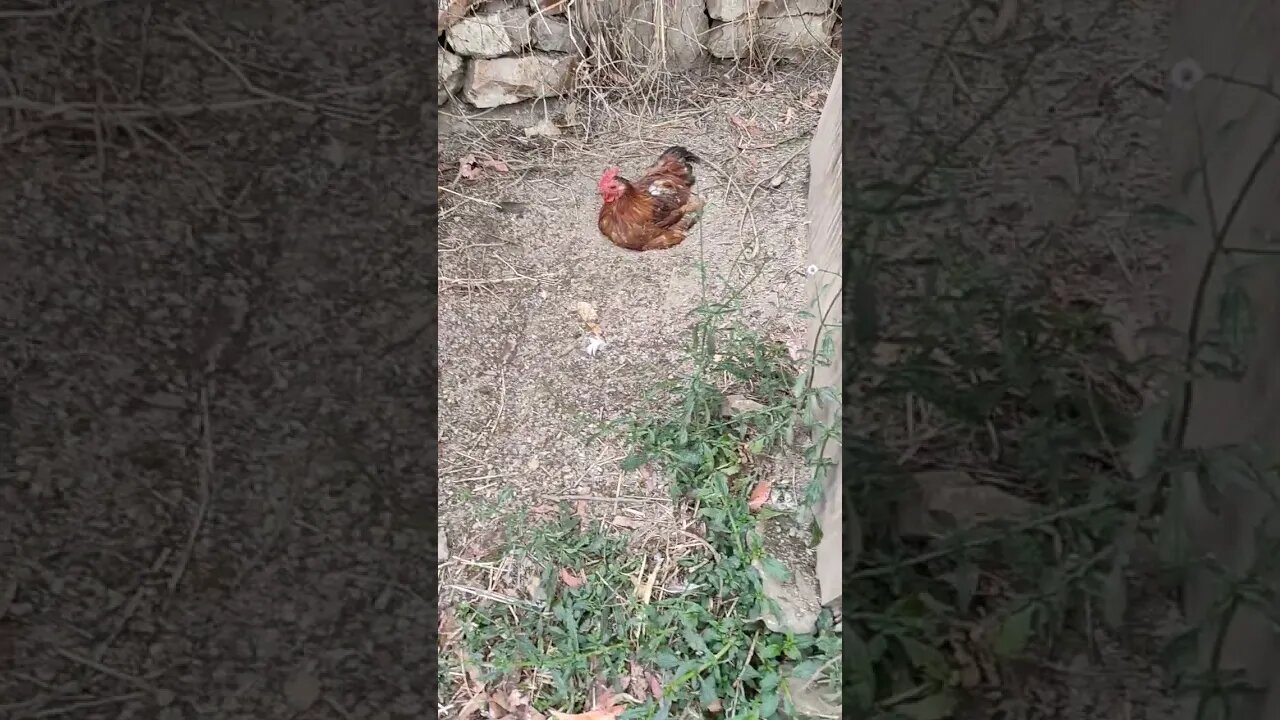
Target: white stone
[730, 9]
[685, 26]
[783, 8]
[450, 73]
[729, 40]
[502, 31]
[796, 37]
[552, 34]
[503, 81]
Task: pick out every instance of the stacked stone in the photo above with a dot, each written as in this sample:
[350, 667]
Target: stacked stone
[505, 51]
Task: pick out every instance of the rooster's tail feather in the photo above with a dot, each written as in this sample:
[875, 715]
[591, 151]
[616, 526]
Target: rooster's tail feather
[680, 154]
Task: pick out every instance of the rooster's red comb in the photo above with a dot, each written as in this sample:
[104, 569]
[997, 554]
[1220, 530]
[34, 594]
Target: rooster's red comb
[608, 176]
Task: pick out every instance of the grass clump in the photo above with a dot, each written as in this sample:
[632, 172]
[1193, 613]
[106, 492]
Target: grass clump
[668, 624]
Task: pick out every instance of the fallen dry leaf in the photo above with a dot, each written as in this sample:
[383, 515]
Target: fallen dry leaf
[474, 705]
[483, 546]
[471, 167]
[448, 629]
[543, 509]
[634, 680]
[535, 590]
[604, 709]
[590, 318]
[759, 495]
[496, 165]
[581, 508]
[543, 128]
[747, 126]
[568, 577]
[655, 685]
[626, 522]
[512, 704]
[815, 99]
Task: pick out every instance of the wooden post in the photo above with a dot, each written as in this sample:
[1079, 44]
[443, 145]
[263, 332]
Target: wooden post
[823, 294]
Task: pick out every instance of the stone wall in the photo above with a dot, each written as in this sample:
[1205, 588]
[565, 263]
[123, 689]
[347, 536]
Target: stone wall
[498, 52]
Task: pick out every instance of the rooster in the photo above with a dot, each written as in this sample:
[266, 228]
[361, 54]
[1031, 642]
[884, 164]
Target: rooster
[654, 212]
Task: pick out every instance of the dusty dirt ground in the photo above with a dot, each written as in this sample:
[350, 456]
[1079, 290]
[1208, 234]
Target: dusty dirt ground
[520, 248]
[215, 495]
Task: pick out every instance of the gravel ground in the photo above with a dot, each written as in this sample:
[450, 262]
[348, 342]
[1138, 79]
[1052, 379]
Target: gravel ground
[215, 494]
[519, 250]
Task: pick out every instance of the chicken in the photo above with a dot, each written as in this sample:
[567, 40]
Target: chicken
[654, 212]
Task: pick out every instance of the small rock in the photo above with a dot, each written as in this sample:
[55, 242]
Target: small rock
[739, 404]
[796, 37]
[784, 8]
[500, 31]
[730, 9]
[797, 595]
[442, 545]
[729, 40]
[542, 128]
[503, 81]
[302, 691]
[961, 499]
[450, 68]
[552, 34]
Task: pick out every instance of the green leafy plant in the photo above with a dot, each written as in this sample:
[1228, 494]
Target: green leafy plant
[703, 644]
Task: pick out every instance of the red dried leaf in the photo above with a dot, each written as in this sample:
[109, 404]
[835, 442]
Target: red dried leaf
[474, 705]
[448, 629]
[495, 164]
[655, 685]
[759, 495]
[469, 168]
[571, 580]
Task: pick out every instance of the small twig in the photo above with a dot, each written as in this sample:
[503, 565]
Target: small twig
[816, 674]
[496, 597]
[465, 199]
[249, 85]
[1032, 524]
[476, 282]
[598, 498]
[204, 473]
[746, 205]
[134, 680]
[55, 11]
[786, 141]
[261, 93]
[88, 704]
